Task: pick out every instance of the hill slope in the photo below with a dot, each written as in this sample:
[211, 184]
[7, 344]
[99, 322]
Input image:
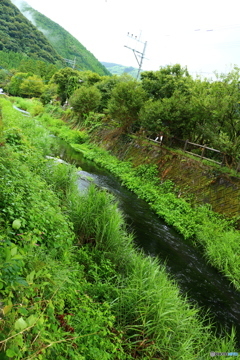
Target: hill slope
[62, 41]
[117, 69]
[18, 34]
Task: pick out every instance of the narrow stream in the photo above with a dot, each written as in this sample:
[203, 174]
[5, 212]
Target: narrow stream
[203, 284]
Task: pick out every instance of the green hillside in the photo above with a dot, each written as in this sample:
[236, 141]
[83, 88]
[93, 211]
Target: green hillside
[117, 69]
[63, 42]
[18, 34]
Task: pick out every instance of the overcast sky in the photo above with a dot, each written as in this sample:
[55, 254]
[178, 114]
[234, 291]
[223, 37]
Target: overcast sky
[204, 35]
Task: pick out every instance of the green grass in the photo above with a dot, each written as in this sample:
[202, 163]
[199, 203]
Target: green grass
[200, 224]
[196, 224]
[156, 320]
[114, 302]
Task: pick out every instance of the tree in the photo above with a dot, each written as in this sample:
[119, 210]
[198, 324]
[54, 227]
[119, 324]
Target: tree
[84, 100]
[151, 116]
[4, 78]
[162, 83]
[90, 78]
[15, 83]
[49, 93]
[68, 80]
[32, 86]
[106, 85]
[217, 112]
[171, 115]
[126, 100]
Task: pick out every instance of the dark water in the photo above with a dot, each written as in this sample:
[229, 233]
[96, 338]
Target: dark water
[203, 284]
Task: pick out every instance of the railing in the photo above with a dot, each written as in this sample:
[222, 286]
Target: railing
[185, 146]
[204, 147]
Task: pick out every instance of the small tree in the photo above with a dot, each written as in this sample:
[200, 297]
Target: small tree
[125, 103]
[15, 83]
[68, 80]
[49, 93]
[84, 100]
[32, 86]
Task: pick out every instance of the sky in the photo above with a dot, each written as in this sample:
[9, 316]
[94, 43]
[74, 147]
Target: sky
[203, 35]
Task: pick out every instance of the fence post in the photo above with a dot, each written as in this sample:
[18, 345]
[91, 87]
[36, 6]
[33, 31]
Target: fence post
[203, 150]
[185, 145]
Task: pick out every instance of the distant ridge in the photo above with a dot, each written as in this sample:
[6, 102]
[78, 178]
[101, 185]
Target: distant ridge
[61, 40]
[117, 69]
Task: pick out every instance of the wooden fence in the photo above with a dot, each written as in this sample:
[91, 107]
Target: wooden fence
[185, 144]
[204, 148]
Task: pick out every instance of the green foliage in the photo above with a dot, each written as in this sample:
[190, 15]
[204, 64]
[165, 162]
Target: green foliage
[125, 103]
[151, 116]
[216, 112]
[68, 80]
[37, 67]
[147, 172]
[61, 130]
[85, 100]
[32, 86]
[85, 292]
[106, 86]
[164, 82]
[90, 78]
[17, 34]
[4, 78]
[49, 94]
[14, 87]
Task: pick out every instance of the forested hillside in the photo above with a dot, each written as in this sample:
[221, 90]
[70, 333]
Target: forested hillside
[63, 42]
[17, 34]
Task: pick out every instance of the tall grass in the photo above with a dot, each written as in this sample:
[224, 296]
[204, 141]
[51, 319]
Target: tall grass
[156, 320]
[217, 235]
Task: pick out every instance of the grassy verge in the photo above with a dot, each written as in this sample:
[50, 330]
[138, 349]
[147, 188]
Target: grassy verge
[72, 284]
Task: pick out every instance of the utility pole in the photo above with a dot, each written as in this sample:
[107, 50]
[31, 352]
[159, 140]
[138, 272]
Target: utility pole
[71, 62]
[139, 55]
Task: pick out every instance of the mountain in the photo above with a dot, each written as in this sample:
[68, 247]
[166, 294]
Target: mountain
[62, 41]
[18, 34]
[117, 69]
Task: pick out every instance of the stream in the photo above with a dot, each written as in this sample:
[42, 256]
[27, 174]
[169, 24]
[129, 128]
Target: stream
[197, 279]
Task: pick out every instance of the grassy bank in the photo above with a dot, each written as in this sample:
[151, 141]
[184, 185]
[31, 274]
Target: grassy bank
[202, 226]
[72, 284]
[216, 235]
